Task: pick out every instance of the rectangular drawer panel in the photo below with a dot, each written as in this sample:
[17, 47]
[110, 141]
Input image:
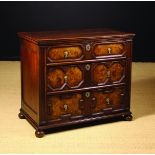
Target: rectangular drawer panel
[69, 53]
[113, 49]
[65, 105]
[108, 99]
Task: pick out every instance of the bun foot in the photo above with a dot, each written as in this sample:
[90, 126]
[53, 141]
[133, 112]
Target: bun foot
[39, 134]
[128, 118]
[21, 116]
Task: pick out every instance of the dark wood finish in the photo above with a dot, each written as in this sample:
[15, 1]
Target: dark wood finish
[21, 116]
[75, 77]
[39, 133]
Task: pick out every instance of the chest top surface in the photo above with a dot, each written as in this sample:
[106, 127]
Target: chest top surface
[39, 37]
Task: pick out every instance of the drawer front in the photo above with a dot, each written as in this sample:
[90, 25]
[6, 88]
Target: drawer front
[85, 75]
[108, 99]
[65, 77]
[111, 72]
[81, 104]
[65, 105]
[102, 50]
[65, 53]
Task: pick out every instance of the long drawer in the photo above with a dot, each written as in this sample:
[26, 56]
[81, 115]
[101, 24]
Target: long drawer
[84, 75]
[86, 103]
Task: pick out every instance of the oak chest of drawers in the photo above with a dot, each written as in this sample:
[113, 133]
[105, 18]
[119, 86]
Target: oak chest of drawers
[71, 77]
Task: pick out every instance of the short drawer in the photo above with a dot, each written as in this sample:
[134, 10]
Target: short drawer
[65, 105]
[108, 72]
[58, 54]
[108, 99]
[114, 49]
[65, 77]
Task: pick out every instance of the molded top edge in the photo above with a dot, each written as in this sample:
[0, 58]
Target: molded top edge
[43, 36]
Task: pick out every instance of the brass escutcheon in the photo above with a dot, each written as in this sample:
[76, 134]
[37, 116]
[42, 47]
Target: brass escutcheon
[87, 94]
[87, 67]
[88, 47]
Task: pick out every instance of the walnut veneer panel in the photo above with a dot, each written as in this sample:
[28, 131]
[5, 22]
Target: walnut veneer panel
[116, 72]
[70, 75]
[56, 78]
[63, 53]
[102, 72]
[108, 99]
[99, 73]
[108, 49]
[64, 104]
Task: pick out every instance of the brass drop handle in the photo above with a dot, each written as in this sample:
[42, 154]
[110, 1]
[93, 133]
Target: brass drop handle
[88, 47]
[65, 107]
[93, 102]
[108, 74]
[109, 50]
[107, 100]
[87, 67]
[65, 78]
[87, 94]
[81, 102]
[66, 54]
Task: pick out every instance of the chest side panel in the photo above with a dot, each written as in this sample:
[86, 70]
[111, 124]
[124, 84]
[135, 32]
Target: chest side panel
[30, 78]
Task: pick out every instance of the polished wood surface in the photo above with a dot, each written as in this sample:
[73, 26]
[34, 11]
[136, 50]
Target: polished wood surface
[108, 49]
[39, 37]
[63, 53]
[108, 99]
[116, 71]
[112, 72]
[74, 76]
[30, 78]
[70, 77]
[99, 73]
[64, 104]
[56, 78]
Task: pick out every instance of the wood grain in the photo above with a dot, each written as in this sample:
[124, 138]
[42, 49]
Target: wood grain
[74, 76]
[59, 53]
[102, 50]
[71, 102]
[56, 78]
[116, 71]
[99, 73]
[114, 99]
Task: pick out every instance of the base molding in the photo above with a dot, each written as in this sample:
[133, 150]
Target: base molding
[126, 115]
